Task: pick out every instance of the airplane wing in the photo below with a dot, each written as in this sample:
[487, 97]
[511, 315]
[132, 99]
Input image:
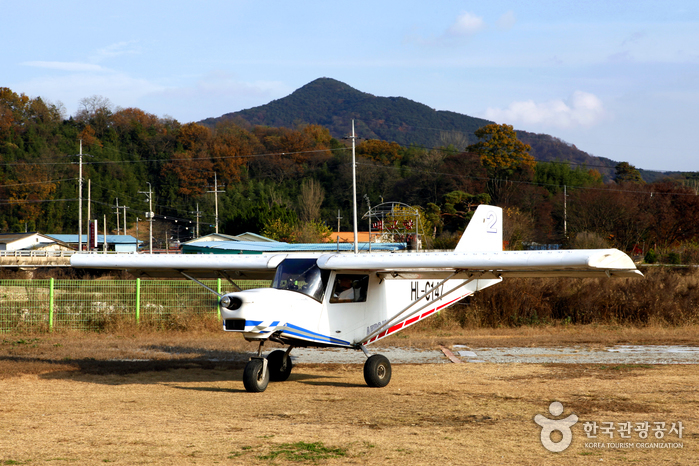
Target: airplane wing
[238, 266]
[560, 263]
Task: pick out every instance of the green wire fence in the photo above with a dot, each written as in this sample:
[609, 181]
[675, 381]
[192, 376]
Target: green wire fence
[45, 305]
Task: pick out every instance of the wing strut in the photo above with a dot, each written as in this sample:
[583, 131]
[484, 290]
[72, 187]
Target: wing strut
[200, 283]
[390, 322]
[230, 280]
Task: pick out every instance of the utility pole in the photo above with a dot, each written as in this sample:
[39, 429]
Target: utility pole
[89, 218]
[198, 214]
[339, 217]
[216, 191]
[354, 190]
[565, 212]
[368, 203]
[149, 216]
[124, 219]
[117, 213]
[80, 201]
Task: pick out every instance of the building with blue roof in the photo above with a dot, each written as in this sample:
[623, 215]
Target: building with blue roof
[118, 243]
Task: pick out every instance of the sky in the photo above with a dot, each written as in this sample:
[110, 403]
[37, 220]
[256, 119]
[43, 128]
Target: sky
[619, 79]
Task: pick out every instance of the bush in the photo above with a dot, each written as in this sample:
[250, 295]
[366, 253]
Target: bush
[651, 257]
[665, 295]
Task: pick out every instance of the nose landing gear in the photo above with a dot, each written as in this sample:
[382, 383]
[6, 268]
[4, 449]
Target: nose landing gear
[259, 371]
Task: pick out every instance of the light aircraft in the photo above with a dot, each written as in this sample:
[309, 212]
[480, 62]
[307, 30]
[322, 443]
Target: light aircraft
[353, 300]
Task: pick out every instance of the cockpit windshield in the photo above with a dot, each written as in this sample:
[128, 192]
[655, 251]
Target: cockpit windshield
[302, 275]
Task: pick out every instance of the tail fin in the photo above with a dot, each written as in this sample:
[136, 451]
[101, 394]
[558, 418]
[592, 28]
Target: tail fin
[484, 231]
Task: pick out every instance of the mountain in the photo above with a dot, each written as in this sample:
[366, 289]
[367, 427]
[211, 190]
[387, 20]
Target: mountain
[334, 104]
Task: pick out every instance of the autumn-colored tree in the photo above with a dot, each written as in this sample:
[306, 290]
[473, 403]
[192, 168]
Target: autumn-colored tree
[193, 136]
[193, 171]
[15, 104]
[130, 119]
[230, 149]
[31, 184]
[380, 151]
[500, 150]
[505, 158]
[87, 136]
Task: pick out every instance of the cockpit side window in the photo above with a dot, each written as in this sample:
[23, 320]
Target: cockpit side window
[350, 288]
[303, 276]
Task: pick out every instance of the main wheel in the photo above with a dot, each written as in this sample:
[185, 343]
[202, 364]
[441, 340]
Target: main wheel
[255, 377]
[279, 366]
[377, 371]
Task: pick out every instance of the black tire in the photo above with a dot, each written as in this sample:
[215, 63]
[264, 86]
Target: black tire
[279, 366]
[377, 371]
[255, 378]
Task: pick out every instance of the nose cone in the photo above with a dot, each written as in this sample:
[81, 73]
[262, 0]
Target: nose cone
[232, 303]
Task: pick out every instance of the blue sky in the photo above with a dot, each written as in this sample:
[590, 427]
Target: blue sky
[619, 79]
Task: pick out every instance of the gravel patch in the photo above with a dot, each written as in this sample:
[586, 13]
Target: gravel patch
[347, 356]
[620, 354]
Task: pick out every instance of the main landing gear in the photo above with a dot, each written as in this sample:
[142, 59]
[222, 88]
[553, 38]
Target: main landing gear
[276, 367]
[377, 369]
[259, 371]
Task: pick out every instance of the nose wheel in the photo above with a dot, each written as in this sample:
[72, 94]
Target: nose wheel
[279, 365]
[256, 375]
[259, 371]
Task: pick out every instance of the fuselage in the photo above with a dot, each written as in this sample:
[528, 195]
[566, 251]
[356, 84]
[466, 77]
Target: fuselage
[307, 306]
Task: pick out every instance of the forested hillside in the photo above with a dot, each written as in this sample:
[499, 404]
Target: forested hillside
[290, 182]
[334, 104]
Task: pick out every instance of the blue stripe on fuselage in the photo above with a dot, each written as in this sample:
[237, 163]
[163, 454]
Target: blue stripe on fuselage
[307, 334]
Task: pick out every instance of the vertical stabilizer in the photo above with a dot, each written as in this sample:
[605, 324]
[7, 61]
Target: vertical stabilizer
[484, 231]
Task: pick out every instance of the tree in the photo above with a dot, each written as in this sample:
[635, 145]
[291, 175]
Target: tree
[505, 158]
[310, 200]
[500, 150]
[625, 172]
[380, 151]
[96, 111]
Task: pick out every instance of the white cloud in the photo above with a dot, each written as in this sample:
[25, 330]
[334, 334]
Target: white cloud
[116, 50]
[65, 66]
[467, 24]
[580, 109]
[507, 20]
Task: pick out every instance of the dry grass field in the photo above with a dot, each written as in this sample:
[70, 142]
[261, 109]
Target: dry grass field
[178, 398]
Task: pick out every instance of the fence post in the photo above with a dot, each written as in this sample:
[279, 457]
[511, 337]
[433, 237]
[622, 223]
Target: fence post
[138, 301]
[218, 290]
[51, 304]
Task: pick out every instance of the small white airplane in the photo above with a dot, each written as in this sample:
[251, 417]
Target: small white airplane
[352, 300]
